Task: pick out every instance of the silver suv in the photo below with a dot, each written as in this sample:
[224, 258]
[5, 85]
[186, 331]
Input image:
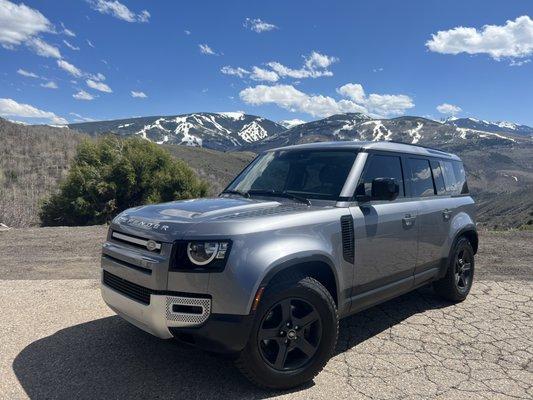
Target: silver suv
[303, 236]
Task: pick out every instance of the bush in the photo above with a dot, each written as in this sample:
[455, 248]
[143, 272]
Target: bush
[110, 175]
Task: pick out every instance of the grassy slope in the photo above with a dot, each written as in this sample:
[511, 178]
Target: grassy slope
[35, 158]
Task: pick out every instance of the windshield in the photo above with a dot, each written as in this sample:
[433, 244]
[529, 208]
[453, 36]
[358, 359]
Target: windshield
[313, 174]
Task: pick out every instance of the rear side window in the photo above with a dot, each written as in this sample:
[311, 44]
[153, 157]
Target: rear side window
[421, 178]
[454, 177]
[437, 177]
[380, 166]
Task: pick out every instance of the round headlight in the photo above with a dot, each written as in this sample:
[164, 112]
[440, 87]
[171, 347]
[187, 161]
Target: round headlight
[202, 253]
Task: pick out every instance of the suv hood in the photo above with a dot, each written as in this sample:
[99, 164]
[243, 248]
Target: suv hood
[175, 217]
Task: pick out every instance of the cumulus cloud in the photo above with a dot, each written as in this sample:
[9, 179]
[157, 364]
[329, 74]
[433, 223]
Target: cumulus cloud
[257, 25]
[260, 74]
[49, 85]
[83, 95]
[27, 74]
[240, 72]
[448, 109]
[71, 69]
[11, 108]
[70, 45]
[205, 49]
[140, 95]
[292, 99]
[20, 24]
[102, 87]
[119, 10]
[514, 39]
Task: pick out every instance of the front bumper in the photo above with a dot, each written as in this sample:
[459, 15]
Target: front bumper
[161, 313]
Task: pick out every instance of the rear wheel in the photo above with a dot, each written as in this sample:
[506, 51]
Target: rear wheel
[457, 282]
[293, 336]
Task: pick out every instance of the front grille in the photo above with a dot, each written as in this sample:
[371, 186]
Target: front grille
[128, 289]
[135, 241]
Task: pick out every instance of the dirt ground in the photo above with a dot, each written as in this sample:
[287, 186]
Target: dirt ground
[59, 340]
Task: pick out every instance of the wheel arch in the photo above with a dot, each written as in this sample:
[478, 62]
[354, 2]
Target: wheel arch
[471, 234]
[317, 266]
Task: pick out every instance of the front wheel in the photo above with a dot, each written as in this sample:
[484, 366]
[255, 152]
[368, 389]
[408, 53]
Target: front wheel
[293, 337]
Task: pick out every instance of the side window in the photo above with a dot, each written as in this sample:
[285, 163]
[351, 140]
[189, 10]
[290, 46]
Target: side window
[380, 166]
[454, 177]
[437, 177]
[421, 179]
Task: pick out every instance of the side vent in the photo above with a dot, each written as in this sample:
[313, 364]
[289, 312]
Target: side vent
[348, 245]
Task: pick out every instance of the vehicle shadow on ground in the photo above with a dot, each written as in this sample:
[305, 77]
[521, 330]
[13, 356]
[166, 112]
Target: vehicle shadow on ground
[110, 359]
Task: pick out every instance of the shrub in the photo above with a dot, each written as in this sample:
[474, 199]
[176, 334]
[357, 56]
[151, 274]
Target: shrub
[112, 174]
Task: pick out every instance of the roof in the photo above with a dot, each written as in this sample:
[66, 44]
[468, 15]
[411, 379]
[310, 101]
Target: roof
[383, 146]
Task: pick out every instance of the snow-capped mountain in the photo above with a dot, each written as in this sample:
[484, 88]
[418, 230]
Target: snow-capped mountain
[490, 126]
[415, 130]
[291, 123]
[222, 131]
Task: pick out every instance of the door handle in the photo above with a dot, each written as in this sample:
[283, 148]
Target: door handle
[446, 214]
[408, 220]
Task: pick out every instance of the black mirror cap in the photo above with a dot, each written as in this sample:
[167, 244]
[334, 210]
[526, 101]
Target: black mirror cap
[385, 189]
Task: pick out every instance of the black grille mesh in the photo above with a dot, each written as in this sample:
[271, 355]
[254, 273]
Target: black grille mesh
[129, 289]
[348, 245]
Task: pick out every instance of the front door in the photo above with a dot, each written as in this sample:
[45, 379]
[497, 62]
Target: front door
[386, 236]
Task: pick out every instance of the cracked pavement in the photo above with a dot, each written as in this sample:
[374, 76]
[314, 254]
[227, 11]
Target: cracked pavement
[58, 339]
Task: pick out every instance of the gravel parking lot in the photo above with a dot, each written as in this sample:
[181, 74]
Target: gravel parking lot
[59, 340]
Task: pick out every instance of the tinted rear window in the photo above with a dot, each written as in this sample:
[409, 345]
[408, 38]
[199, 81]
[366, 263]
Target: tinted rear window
[437, 177]
[454, 177]
[420, 177]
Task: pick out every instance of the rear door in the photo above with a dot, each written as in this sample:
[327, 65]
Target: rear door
[434, 213]
[385, 235]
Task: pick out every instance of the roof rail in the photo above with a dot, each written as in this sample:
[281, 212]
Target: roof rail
[418, 145]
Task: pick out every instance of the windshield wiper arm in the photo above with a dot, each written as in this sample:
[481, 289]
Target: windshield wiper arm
[286, 194]
[238, 192]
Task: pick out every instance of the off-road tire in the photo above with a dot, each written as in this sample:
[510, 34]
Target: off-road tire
[447, 287]
[250, 360]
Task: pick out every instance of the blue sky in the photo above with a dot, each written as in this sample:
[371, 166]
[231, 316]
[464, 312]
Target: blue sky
[311, 58]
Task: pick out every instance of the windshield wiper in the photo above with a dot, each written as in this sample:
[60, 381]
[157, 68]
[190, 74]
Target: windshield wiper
[238, 192]
[265, 192]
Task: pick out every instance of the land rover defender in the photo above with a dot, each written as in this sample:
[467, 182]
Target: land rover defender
[303, 236]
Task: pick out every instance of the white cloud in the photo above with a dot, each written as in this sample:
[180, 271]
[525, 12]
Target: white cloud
[240, 72]
[11, 108]
[89, 43]
[70, 46]
[119, 10]
[514, 39]
[260, 74]
[42, 48]
[290, 123]
[27, 74]
[519, 63]
[97, 77]
[315, 66]
[19, 23]
[140, 95]
[81, 118]
[292, 99]
[257, 25]
[205, 49]
[71, 69]
[187, 32]
[83, 95]
[49, 85]
[448, 109]
[66, 31]
[102, 87]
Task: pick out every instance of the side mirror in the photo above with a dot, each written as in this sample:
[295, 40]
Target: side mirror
[385, 189]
